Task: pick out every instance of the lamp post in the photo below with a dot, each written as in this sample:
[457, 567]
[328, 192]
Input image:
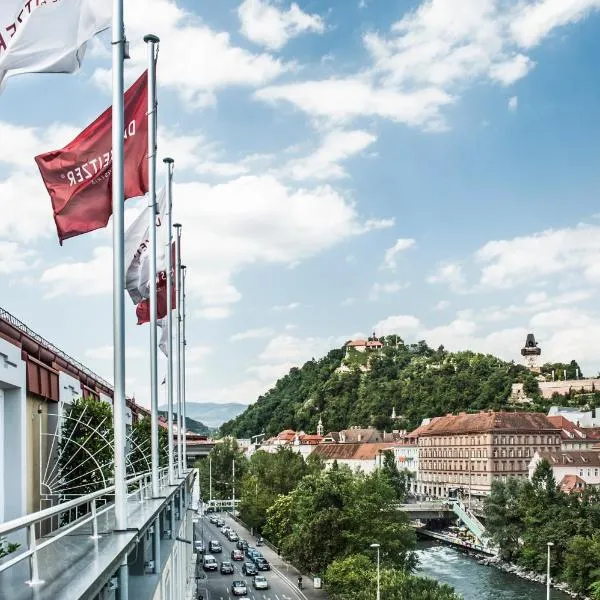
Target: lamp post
[550, 544]
[378, 582]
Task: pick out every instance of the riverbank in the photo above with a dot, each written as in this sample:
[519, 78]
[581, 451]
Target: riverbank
[474, 580]
[497, 563]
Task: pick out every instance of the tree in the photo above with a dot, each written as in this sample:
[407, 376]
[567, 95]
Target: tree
[85, 457]
[141, 447]
[399, 480]
[221, 459]
[355, 578]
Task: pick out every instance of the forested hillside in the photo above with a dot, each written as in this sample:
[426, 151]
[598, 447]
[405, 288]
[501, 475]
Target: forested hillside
[415, 379]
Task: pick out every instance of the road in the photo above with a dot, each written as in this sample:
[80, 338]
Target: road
[282, 578]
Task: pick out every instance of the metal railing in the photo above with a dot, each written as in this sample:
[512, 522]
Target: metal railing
[89, 504]
[9, 318]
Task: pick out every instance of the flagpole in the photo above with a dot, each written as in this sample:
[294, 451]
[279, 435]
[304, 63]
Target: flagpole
[152, 40]
[170, 166]
[183, 345]
[178, 342]
[118, 211]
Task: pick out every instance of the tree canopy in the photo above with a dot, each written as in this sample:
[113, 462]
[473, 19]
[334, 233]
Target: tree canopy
[414, 379]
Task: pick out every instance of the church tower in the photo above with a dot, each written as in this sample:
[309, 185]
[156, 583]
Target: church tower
[320, 427]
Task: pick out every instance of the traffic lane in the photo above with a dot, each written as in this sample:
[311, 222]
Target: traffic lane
[282, 583]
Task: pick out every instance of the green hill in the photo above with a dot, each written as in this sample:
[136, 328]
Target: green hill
[414, 379]
[191, 425]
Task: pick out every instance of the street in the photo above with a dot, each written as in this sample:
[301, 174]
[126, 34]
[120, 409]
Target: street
[282, 578]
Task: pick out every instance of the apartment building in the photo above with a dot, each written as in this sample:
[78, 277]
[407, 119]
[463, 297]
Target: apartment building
[465, 453]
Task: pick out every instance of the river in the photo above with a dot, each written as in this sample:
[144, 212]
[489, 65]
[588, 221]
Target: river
[475, 581]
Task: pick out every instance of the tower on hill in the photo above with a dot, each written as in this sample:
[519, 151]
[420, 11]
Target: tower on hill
[531, 351]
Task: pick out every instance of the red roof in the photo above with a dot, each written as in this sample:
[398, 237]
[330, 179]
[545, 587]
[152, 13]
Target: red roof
[572, 483]
[357, 343]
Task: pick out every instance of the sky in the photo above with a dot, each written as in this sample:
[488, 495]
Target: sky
[427, 168]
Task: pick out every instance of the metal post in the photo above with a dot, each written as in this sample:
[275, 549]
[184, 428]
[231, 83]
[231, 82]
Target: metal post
[209, 480]
[33, 558]
[95, 535]
[156, 545]
[183, 345]
[177, 227]
[123, 580]
[550, 544]
[172, 518]
[118, 210]
[169, 163]
[378, 582]
[152, 40]
[233, 487]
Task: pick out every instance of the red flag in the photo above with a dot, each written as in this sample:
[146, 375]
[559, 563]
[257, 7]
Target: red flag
[78, 177]
[142, 310]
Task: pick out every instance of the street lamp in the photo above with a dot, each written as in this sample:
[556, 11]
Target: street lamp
[550, 544]
[378, 586]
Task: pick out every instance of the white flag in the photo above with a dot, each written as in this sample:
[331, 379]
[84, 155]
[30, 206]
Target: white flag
[137, 256]
[49, 36]
[162, 344]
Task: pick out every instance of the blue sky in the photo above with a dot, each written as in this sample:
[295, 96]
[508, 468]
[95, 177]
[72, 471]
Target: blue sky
[424, 168]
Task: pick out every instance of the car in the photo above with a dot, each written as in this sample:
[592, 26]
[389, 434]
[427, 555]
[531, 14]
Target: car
[248, 568]
[209, 563]
[226, 568]
[254, 555]
[262, 564]
[198, 546]
[241, 544]
[237, 555]
[239, 588]
[213, 519]
[260, 583]
[249, 550]
[225, 529]
[233, 536]
[220, 522]
[215, 546]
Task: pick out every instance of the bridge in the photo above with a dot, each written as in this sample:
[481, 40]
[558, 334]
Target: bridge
[198, 449]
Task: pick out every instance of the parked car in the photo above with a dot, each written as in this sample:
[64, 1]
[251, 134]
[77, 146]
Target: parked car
[239, 588]
[241, 544]
[215, 546]
[248, 568]
[226, 568]
[237, 555]
[262, 564]
[260, 583]
[209, 563]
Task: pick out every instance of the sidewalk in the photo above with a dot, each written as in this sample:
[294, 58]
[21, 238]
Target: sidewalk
[279, 566]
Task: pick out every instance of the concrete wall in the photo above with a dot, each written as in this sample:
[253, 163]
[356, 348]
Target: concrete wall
[547, 388]
[13, 450]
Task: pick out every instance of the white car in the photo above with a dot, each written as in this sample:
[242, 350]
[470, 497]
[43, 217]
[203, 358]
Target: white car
[260, 583]
[239, 588]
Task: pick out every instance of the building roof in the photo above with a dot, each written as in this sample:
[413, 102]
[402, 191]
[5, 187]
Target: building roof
[351, 451]
[355, 343]
[486, 421]
[374, 344]
[361, 435]
[334, 435]
[572, 483]
[310, 439]
[572, 458]
[570, 431]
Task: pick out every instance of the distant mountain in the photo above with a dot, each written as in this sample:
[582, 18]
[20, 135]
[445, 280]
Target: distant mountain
[192, 425]
[212, 414]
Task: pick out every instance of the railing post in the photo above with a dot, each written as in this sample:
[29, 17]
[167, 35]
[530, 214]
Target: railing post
[33, 558]
[142, 490]
[95, 535]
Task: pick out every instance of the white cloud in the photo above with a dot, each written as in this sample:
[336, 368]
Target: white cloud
[211, 61]
[534, 21]
[391, 287]
[263, 23]
[252, 334]
[106, 353]
[569, 251]
[513, 104]
[290, 306]
[296, 350]
[398, 324]
[389, 260]
[81, 278]
[213, 313]
[450, 273]
[442, 305]
[324, 163]
[430, 56]
[194, 354]
[14, 258]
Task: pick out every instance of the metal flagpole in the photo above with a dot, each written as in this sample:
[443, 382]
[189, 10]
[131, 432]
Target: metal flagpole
[178, 342]
[183, 345]
[152, 40]
[118, 210]
[169, 163]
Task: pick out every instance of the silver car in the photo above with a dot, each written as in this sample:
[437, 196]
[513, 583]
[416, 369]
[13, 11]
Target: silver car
[260, 583]
[238, 588]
